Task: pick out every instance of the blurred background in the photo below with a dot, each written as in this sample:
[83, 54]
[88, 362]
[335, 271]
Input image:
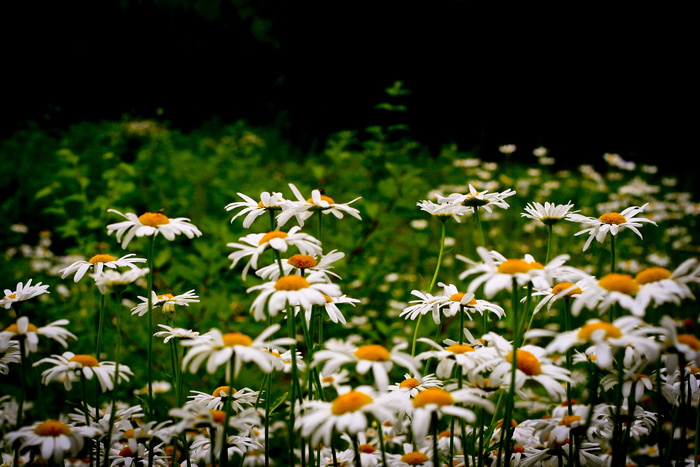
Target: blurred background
[581, 82]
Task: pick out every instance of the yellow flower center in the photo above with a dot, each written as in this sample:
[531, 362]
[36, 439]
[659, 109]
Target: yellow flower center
[350, 402]
[236, 338]
[325, 198]
[219, 416]
[302, 261]
[84, 360]
[654, 274]
[557, 289]
[102, 259]
[153, 219]
[474, 201]
[366, 448]
[458, 298]
[13, 328]
[437, 396]
[292, 282]
[10, 297]
[459, 348]
[569, 420]
[515, 266]
[373, 353]
[222, 391]
[623, 283]
[52, 428]
[328, 298]
[526, 362]
[409, 383]
[165, 296]
[518, 448]
[272, 234]
[612, 218]
[415, 458]
[445, 434]
[611, 331]
[689, 340]
[126, 452]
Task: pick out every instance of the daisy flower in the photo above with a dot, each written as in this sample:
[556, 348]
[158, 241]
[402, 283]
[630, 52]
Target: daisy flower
[303, 264]
[549, 213]
[411, 456]
[611, 222]
[292, 290]
[239, 399]
[128, 457]
[220, 349]
[452, 354]
[466, 302]
[98, 263]
[412, 385]
[444, 210]
[498, 273]
[23, 292]
[426, 302]
[676, 281]
[531, 363]
[479, 199]
[683, 344]
[304, 208]
[560, 290]
[23, 329]
[603, 339]
[52, 438]
[347, 413]
[68, 367]
[269, 203]
[377, 358]
[115, 280]
[253, 245]
[442, 402]
[179, 333]
[9, 353]
[167, 301]
[151, 224]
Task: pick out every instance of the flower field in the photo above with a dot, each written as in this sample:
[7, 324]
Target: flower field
[220, 298]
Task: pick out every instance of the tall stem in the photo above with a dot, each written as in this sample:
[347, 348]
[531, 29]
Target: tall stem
[613, 266]
[549, 243]
[100, 326]
[149, 302]
[481, 227]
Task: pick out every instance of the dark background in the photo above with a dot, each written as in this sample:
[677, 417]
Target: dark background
[580, 81]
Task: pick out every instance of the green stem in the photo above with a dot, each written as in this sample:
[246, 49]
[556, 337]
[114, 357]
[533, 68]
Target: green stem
[113, 408]
[100, 326]
[613, 266]
[149, 302]
[506, 428]
[481, 227]
[549, 243]
[223, 456]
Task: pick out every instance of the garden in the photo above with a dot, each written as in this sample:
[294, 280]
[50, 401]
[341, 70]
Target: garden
[221, 297]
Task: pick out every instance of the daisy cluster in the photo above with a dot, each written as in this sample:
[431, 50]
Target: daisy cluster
[524, 362]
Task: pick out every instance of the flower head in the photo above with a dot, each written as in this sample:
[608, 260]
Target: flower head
[110, 279]
[54, 439]
[549, 213]
[23, 292]
[303, 208]
[269, 202]
[69, 367]
[444, 210]
[98, 263]
[166, 301]
[479, 199]
[611, 222]
[151, 224]
[253, 245]
[23, 329]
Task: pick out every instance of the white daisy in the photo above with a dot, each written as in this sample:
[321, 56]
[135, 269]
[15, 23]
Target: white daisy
[442, 402]
[303, 263]
[151, 224]
[347, 413]
[23, 292]
[68, 367]
[114, 280]
[167, 301]
[479, 199]
[444, 210]
[23, 329]
[304, 208]
[239, 399]
[52, 438]
[292, 290]
[411, 385]
[220, 349]
[611, 222]
[452, 354]
[379, 359]
[466, 302]
[253, 245]
[675, 282]
[426, 302]
[549, 213]
[179, 333]
[9, 353]
[560, 290]
[269, 203]
[98, 263]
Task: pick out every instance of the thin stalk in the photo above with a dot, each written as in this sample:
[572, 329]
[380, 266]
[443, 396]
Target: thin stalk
[613, 266]
[223, 456]
[477, 218]
[380, 433]
[506, 428]
[434, 425]
[100, 326]
[113, 408]
[432, 281]
[549, 242]
[356, 448]
[149, 257]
